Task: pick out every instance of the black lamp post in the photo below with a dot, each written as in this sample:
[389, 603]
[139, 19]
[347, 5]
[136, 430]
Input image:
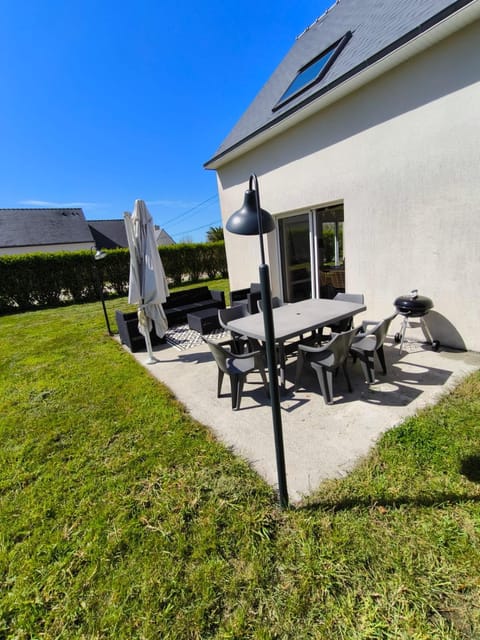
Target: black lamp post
[251, 220]
[100, 255]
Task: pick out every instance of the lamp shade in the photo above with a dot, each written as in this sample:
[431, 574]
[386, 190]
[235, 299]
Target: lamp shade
[244, 222]
[100, 255]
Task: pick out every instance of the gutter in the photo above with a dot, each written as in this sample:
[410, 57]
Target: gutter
[450, 20]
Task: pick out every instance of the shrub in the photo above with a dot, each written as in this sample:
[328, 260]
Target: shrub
[38, 280]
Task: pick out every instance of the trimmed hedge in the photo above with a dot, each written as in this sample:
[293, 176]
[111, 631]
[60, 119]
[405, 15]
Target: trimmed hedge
[191, 261]
[50, 279]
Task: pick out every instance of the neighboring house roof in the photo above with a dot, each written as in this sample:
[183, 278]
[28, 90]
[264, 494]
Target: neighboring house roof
[163, 237]
[34, 227]
[109, 234]
[377, 29]
[63, 226]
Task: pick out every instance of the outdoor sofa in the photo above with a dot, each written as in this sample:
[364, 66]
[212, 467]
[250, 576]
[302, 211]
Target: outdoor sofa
[127, 324]
[177, 306]
[181, 303]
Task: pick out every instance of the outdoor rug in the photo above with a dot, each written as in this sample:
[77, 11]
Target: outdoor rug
[183, 338]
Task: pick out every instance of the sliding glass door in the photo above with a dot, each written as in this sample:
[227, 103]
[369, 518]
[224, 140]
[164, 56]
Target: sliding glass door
[311, 250]
[296, 257]
[330, 258]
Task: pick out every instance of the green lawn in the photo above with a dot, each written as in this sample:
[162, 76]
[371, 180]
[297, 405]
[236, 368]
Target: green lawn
[121, 517]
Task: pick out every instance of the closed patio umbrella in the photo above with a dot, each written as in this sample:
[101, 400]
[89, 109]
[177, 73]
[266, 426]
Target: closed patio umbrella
[148, 288]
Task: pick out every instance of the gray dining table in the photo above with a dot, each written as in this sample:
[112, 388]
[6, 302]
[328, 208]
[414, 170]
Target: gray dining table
[295, 319]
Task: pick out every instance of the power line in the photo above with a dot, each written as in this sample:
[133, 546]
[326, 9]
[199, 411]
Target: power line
[197, 206]
[210, 224]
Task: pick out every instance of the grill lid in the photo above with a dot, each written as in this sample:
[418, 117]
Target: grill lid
[413, 305]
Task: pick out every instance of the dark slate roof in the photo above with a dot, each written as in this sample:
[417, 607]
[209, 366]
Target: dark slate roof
[163, 238]
[109, 234]
[378, 28]
[30, 227]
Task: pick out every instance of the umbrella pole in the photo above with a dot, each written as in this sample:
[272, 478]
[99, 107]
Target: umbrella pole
[143, 320]
[151, 357]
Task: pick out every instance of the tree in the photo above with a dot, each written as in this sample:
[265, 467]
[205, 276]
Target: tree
[214, 234]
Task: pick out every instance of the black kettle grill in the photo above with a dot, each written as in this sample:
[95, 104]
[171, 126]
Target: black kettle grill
[414, 306]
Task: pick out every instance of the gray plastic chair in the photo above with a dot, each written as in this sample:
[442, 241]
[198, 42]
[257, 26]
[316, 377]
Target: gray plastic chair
[347, 323]
[325, 361]
[236, 366]
[276, 302]
[291, 346]
[253, 297]
[350, 297]
[369, 342]
[247, 297]
[240, 343]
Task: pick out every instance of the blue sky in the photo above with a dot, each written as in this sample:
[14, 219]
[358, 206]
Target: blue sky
[104, 102]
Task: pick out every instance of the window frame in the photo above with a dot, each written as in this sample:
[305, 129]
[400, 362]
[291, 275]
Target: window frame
[336, 48]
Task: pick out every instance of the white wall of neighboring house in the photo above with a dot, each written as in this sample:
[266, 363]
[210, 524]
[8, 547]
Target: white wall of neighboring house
[50, 248]
[403, 155]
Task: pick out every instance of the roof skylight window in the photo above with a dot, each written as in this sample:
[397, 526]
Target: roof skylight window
[314, 71]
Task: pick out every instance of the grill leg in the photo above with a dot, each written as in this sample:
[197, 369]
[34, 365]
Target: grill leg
[426, 331]
[400, 337]
[402, 331]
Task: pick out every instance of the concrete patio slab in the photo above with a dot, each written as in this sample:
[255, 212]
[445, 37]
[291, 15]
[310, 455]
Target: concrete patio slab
[321, 441]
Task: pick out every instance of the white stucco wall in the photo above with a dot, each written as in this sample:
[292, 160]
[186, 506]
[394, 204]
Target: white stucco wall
[403, 154]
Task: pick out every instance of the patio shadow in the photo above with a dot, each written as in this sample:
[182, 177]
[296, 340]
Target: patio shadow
[402, 385]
